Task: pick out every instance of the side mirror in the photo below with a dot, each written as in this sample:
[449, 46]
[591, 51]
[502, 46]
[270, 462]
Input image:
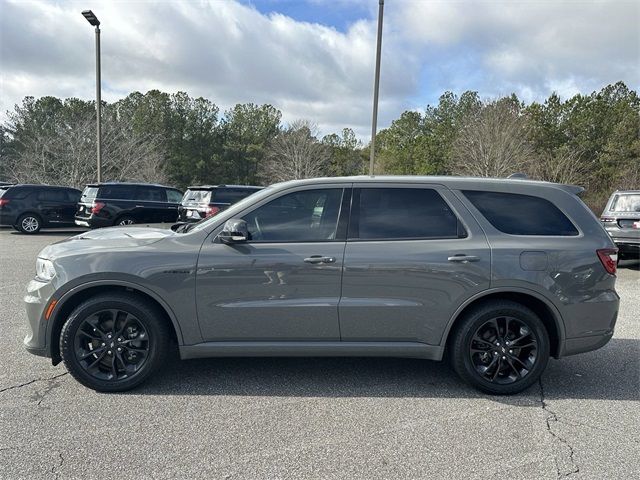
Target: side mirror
[234, 231]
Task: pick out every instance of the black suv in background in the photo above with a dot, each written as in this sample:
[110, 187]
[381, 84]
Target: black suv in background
[108, 204]
[207, 200]
[621, 220]
[28, 208]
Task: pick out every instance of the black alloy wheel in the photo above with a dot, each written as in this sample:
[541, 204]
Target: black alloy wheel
[500, 347]
[114, 342]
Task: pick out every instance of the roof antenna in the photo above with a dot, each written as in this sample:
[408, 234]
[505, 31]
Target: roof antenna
[519, 175]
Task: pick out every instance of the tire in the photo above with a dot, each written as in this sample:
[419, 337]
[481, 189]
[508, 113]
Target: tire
[142, 337]
[124, 220]
[502, 364]
[29, 223]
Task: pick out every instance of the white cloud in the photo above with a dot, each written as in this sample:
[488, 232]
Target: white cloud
[230, 52]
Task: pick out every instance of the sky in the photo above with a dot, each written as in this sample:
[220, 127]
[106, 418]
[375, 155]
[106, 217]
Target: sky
[314, 59]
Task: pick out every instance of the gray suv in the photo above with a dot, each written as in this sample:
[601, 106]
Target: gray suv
[495, 275]
[621, 220]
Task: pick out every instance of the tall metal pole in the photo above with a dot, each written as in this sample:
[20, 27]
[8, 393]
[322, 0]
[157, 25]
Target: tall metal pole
[376, 88]
[98, 106]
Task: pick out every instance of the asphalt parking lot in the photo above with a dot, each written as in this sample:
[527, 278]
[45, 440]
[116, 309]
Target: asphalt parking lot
[314, 418]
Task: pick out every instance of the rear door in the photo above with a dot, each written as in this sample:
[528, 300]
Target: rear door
[413, 255]
[50, 204]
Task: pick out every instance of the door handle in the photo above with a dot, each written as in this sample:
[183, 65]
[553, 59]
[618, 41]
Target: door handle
[315, 259]
[461, 258]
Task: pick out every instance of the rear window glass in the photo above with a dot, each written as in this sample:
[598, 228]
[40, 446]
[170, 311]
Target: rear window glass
[88, 194]
[517, 214]
[231, 195]
[197, 196]
[626, 203]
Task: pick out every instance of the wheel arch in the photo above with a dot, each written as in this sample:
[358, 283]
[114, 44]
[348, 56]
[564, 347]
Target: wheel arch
[77, 295]
[541, 306]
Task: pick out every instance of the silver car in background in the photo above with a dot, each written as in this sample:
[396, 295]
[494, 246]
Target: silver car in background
[621, 220]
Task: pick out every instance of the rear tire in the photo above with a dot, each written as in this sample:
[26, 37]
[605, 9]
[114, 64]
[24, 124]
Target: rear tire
[114, 342]
[500, 347]
[29, 223]
[124, 221]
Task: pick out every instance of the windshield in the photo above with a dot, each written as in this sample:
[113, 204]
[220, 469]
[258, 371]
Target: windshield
[626, 203]
[88, 194]
[198, 196]
[234, 209]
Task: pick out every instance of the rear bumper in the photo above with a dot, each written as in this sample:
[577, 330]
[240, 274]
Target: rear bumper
[7, 219]
[573, 346]
[93, 221]
[627, 247]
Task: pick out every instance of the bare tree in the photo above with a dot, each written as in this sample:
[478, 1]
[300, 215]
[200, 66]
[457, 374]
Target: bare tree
[561, 166]
[64, 153]
[492, 142]
[296, 153]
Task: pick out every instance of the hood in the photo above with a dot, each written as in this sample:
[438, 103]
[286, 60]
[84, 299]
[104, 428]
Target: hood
[106, 239]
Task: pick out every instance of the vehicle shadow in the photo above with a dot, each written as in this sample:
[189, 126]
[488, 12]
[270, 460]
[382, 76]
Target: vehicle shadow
[629, 264]
[610, 373]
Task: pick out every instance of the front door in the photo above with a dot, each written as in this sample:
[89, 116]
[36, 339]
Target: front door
[284, 283]
[411, 259]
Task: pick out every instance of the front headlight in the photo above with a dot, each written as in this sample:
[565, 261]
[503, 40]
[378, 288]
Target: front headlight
[44, 269]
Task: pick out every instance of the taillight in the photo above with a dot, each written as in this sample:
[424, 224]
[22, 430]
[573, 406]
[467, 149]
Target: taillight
[96, 207]
[212, 210]
[607, 219]
[609, 259]
[3, 201]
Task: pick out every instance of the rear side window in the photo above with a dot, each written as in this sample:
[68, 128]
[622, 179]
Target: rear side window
[118, 192]
[151, 194]
[402, 213]
[517, 214]
[73, 195]
[52, 195]
[18, 193]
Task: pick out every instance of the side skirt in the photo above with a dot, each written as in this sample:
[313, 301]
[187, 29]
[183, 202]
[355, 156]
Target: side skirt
[312, 349]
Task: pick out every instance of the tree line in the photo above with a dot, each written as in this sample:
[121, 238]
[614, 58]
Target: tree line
[592, 140]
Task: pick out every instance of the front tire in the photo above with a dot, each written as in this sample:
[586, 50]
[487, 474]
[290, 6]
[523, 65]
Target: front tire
[501, 348]
[114, 342]
[29, 223]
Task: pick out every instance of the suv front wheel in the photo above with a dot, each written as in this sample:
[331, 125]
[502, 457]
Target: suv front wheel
[114, 342]
[501, 347]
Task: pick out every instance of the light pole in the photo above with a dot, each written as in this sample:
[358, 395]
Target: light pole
[376, 88]
[93, 20]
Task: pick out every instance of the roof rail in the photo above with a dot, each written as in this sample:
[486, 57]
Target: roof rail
[520, 175]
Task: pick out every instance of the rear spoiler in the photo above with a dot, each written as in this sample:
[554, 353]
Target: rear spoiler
[573, 189]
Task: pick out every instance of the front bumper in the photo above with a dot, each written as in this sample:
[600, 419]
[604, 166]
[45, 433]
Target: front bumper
[36, 300]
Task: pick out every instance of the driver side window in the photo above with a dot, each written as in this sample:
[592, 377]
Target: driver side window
[305, 216]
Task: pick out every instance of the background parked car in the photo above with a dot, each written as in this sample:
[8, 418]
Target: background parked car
[207, 200]
[28, 208]
[107, 204]
[621, 219]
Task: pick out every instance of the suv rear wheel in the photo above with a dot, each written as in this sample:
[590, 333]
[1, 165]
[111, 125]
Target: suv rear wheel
[501, 347]
[125, 220]
[114, 342]
[29, 223]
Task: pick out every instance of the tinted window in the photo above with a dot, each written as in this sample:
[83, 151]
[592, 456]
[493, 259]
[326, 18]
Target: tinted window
[231, 195]
[307, 216]
[174, 196]
[52, 195]
[18, 193]
[151, 194]
[396, 213]
[521, 214]
[115, 192]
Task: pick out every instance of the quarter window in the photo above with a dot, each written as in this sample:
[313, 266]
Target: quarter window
[517, 214]
[402, 213]
[306, 216]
